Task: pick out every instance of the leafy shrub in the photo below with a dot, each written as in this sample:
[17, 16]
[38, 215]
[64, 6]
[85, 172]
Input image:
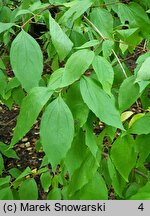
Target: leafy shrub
[89, 129]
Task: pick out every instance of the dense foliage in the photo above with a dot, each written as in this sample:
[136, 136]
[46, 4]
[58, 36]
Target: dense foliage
[88, 128]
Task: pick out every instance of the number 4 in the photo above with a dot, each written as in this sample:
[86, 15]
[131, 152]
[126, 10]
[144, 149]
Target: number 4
[141, 207]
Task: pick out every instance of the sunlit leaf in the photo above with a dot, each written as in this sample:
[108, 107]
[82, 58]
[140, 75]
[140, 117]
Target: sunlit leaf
[26, 60]
[123, 155]
[82, 176]
[5, 26]
[25, 190]
[128, 93]
[94, 190]
[30, 109]
[45, 179]
[104, 72]
[76, 65]
[76, 153]
[141, 126]
[56, 142]
[144, 73]
[61, 41]
[143, 193]
[100, 103]
[103, 21]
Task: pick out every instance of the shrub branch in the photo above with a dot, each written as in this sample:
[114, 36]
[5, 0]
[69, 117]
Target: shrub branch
[39, 13]
[104, 38]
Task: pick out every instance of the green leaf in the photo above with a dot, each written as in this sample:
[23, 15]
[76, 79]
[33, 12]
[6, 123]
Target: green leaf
[145, 100]
[14, 172]
[141, 17]
[6, 194]
[107, 47]
[76, 10]
[124, 12]
[1, 164]
[141, 59]
[57, 131]
[129, 36]
[5, 26]
[129, 92]
[111, 4]
[136, 15]
[18, 94]
[117, 182]
[91, 141]
[100, 103]
[104, 72]
[26, 60]
[9, 153]
[143, 148]
[131, 190]
[61, 42]
[30, 109]
[2, 65]
[126, 115]
[141, 126]
[95, 189]
[76, 65]
[88, 44]
[45, 179]
[42, 170]
[28, 190]
[78, 38]
[26, 172]
[4, 180]
[77, 106]
[55, 80]
[54, 194]
[83, 174]
[143, 193]
[103, 20]
[45, 161]
[3, 83]
[110, 131]
[144, 73]
[15, 194]
[135, 118]
[13, 83]
[76, 153]
[123, 155]
[5, 14]
[22, 12]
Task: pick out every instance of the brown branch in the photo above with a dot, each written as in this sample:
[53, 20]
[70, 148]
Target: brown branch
[140, 173]
[39, 13]
[7, 123]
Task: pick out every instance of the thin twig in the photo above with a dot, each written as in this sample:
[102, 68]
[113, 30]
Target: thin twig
[37, 14]
[140, 173]
[104, 38]
[98, 45]
[94, 27]
[7, 123]
[105, 154]
[119, 63]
